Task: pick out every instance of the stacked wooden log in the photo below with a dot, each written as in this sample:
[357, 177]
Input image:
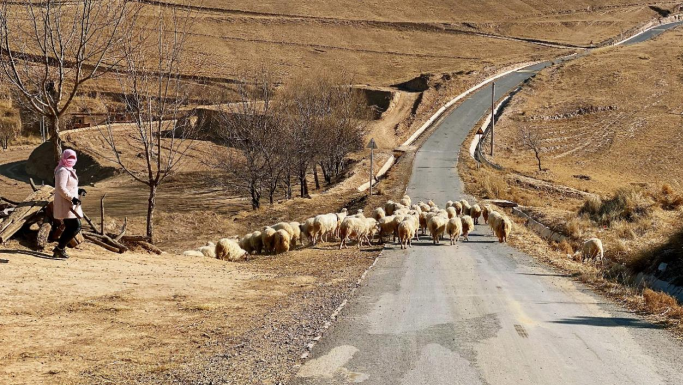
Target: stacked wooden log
[35, 211]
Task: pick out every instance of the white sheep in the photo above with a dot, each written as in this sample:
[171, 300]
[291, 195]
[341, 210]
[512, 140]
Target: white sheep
[454, 229]
[467, 226]
[209, 250]
[378, 214]
[296, 235]
[432, 204]
[485, 210]
[256, 242]
[340, 218]
[494, 218]
[406, 232]
[284, 226]
[458, 208]
[193, 253]
[307, 229]
[323, 226]
[424, 207]
[406, 201]
[358, 214]
[281, 241]
[267, 239]
[465, 207]
[592, 249]
[437, 227]
[415, 217]
[245, 243]
[501, 226]
[449, 204]
[358, 228]
[475, 213]
[451, 212]
[386, 226]
[389, 208]
[230, 250]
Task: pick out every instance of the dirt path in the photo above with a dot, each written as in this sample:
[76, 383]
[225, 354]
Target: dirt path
[100, 317]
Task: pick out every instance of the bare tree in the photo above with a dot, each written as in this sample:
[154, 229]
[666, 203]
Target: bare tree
[530, 139]
[156, 97]
[10, 123]
[325, 123]
[302, 106]
[49, 49]
[9, 129]
[343, 130]
[254, 140]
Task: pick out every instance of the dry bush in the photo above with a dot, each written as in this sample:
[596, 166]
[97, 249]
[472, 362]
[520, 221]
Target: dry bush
[668, 198]
[624, 230]
[627, 204]
[564, 247]
[658, 302]
[619, 247]
[576, 226]
[494, 186]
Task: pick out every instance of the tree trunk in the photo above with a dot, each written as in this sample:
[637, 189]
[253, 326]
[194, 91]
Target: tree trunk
[255, 197]
[326, 174]
[538, 158]
[303, 183]
[151, 204]
[54, 137]
[288, 184]
[315, 176]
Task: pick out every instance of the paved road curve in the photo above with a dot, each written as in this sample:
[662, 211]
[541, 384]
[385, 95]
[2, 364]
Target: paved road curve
[481, 312]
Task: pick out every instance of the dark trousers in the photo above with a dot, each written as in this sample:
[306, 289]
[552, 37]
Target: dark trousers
[71, 227]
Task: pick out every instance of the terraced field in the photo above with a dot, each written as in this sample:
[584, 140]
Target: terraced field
[613, 116]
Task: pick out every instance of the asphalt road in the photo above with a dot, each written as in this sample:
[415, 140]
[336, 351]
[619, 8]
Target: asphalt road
[482, 312]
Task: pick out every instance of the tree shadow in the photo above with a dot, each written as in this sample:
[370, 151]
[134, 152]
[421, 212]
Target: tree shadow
[35, 254]
[607, 322]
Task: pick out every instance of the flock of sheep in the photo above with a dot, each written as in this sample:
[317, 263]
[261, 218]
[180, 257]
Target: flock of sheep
[401, 220]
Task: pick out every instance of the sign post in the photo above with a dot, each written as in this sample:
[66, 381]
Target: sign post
[480, 134]
[372, 146]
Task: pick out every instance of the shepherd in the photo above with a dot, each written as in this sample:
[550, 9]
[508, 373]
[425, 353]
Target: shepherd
[67, 205]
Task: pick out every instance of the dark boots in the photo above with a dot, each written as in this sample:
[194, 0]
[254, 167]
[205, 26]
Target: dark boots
[59, 253]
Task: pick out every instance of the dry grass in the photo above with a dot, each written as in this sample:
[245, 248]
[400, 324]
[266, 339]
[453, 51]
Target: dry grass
[661, 303]
[609, 119]
[627, 204]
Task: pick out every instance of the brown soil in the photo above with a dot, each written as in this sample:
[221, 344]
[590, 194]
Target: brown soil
[100, 317]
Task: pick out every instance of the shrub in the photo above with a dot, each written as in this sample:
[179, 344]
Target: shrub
[624, 230]
[659, 302]
[576, 227]
[668, 198]
[627, 204]
[494, 186]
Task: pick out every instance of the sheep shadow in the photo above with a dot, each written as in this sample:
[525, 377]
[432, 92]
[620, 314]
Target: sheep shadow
[608, 322]
[35, 254]
[550, 275]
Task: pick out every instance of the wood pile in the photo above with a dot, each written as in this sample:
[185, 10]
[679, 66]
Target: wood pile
[35, 213]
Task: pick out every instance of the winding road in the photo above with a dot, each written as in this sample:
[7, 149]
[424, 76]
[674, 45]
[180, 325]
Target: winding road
[483, 312]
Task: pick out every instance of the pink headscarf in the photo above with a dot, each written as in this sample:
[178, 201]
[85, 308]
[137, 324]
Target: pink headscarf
[68, 160]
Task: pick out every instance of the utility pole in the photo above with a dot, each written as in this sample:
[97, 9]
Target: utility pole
[372, 146]
[493, 113]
